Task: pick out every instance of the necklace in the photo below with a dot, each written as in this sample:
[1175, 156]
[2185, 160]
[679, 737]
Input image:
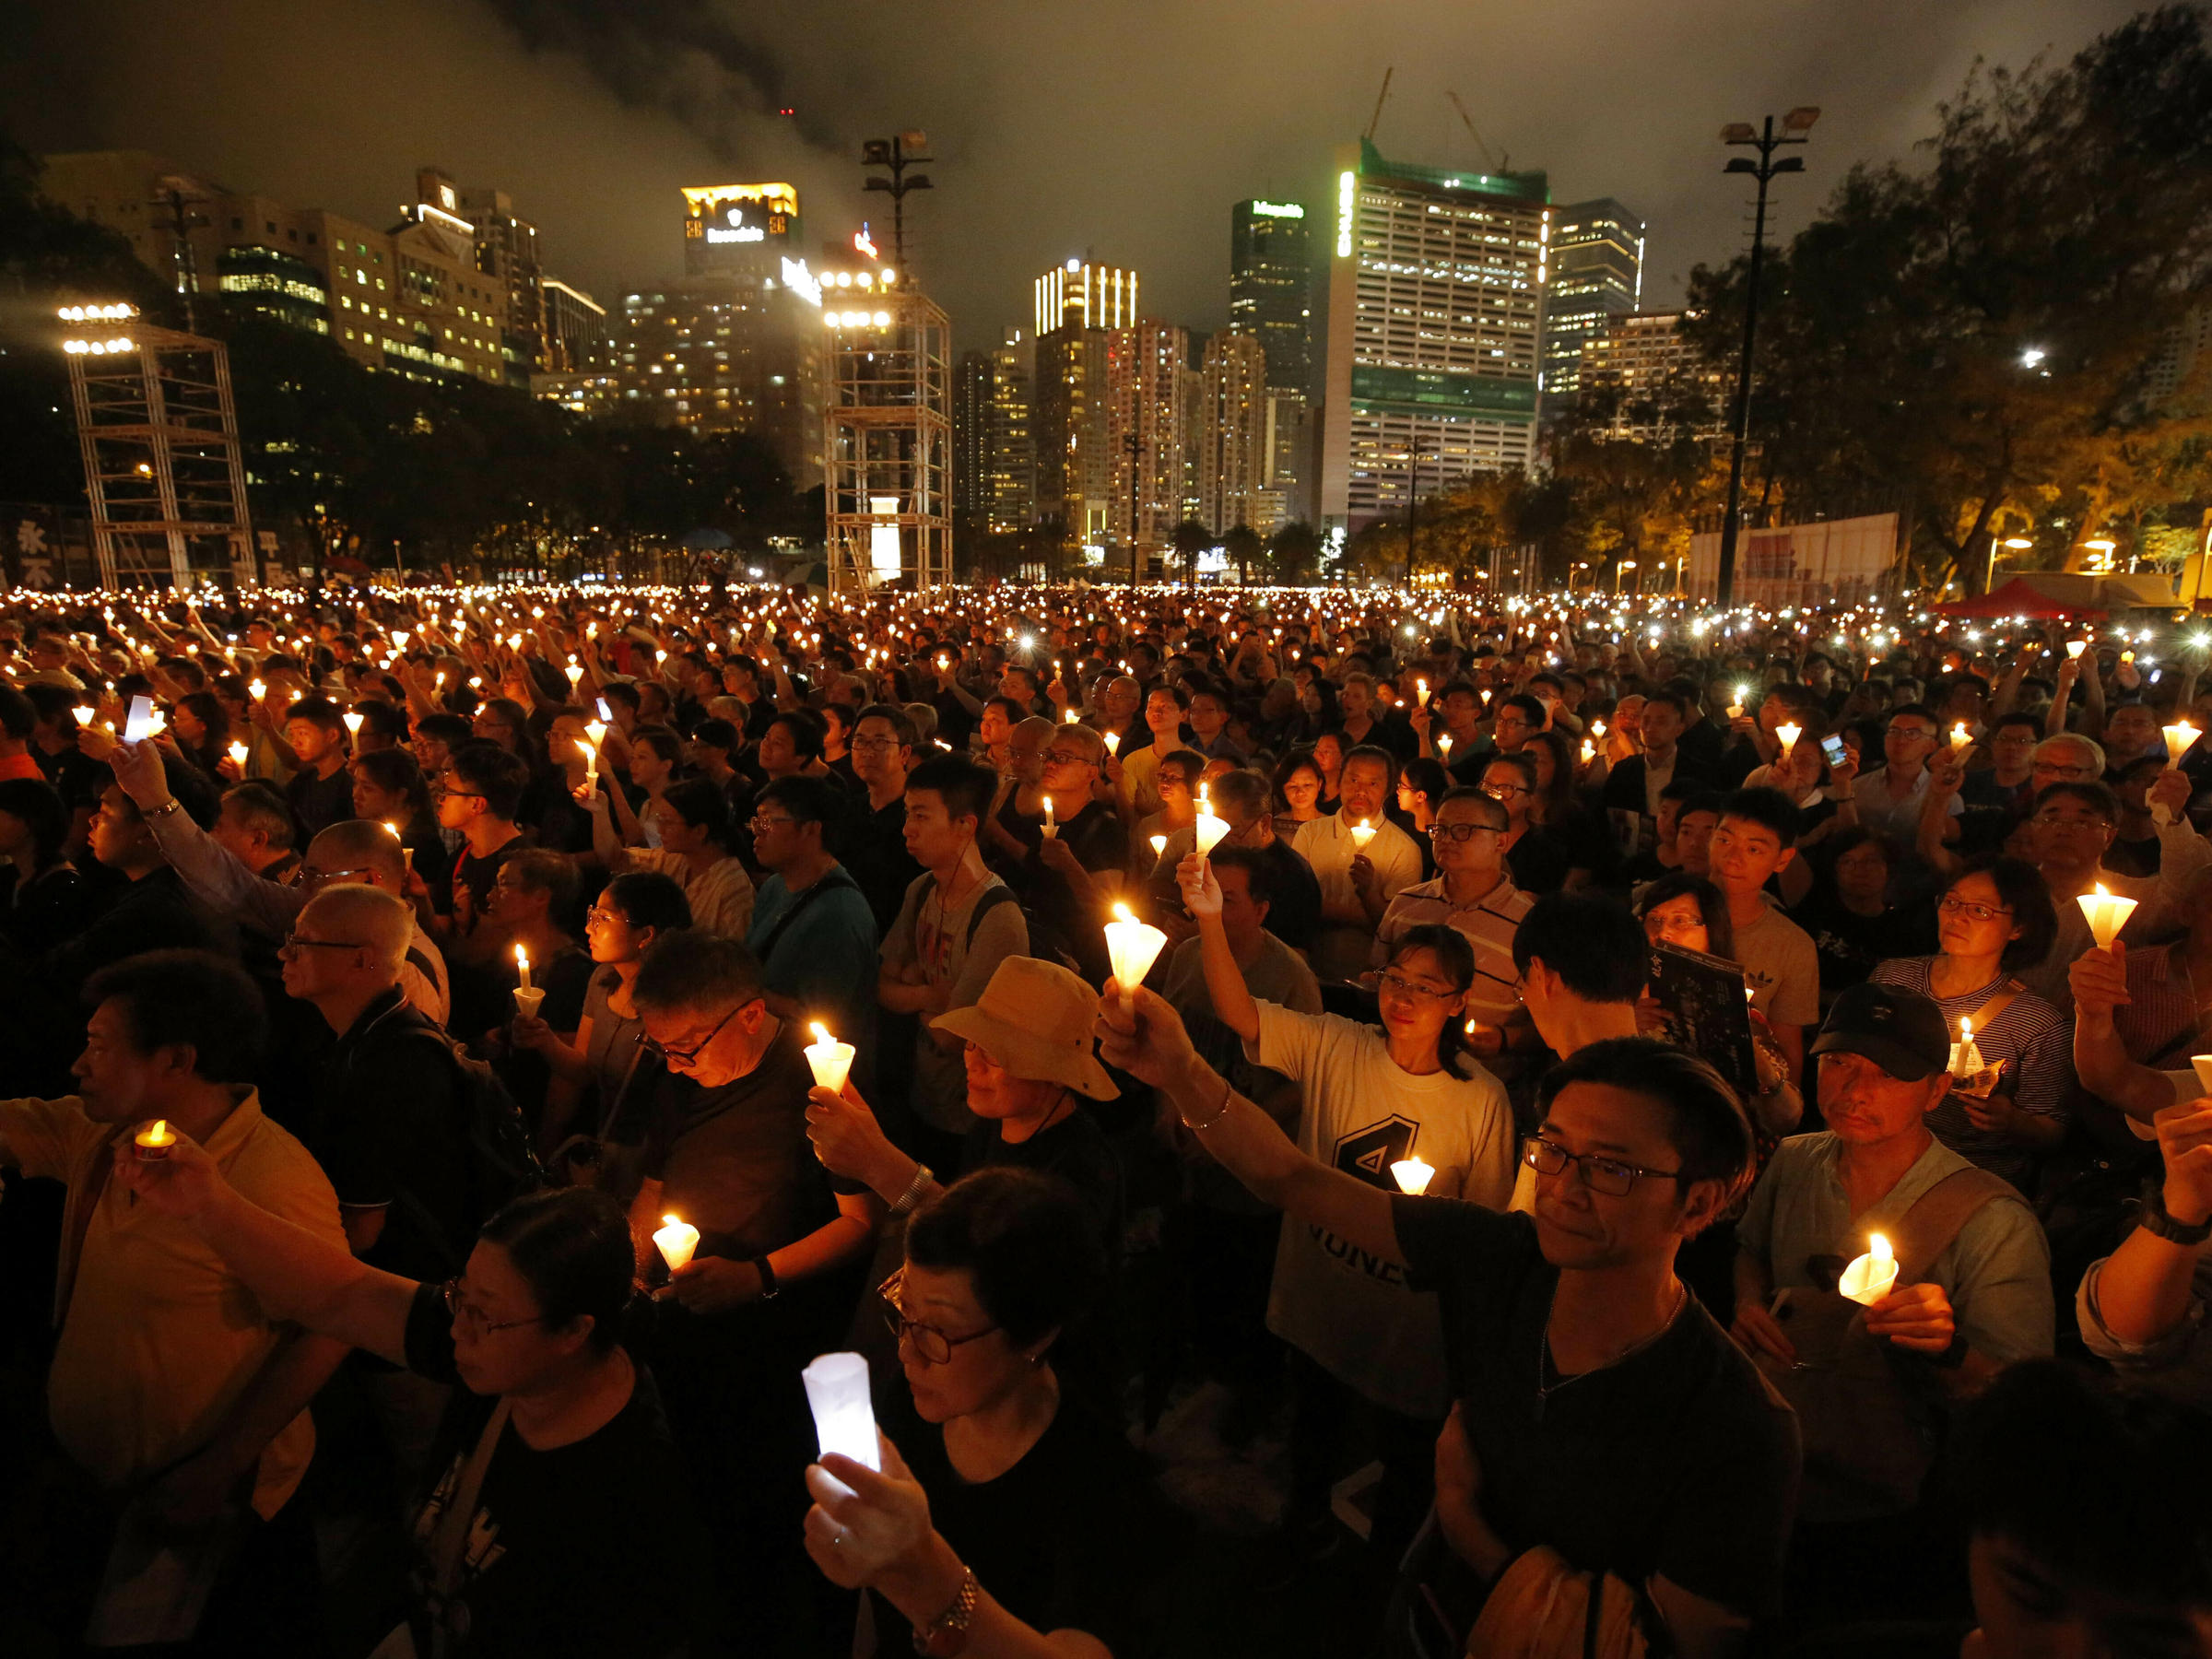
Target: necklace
[1627, 1350]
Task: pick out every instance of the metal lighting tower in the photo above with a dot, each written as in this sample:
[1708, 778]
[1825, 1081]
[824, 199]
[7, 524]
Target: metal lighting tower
[898, 153]
[160, 435]
[1795, 125]
[1137, 449]
[889, 449]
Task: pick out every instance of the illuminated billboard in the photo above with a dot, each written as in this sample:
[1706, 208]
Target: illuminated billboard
[730, 223]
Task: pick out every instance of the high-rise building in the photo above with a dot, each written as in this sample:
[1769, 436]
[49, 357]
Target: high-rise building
[577, 339]
[1011, 496]
[970, 436]
[1597, 274]
[1235, 466]
[1271, 298]
[506, 250]
[1147, 400]
[1435, 289]
[409, 300]
[1076, 306]
[729, 353]
[1653, 382]
[739, 227]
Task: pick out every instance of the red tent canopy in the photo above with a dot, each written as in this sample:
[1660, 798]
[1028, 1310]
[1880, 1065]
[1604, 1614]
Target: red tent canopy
[2016, 598]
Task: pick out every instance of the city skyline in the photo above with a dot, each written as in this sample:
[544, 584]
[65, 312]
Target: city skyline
[588, 139]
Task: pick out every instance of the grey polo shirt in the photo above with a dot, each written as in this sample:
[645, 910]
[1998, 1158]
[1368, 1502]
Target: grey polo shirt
[1996, 1272]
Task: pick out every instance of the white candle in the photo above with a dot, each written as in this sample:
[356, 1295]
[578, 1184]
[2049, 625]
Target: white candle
[522, 962]
[2107, 914]
[1052, 829]
[832, 1060]
[591, 763]
[405, 851]
[1786, 735]
[1589, 751]
[845, 1418]
[677, 1241]
[1412, 1175]
[1961, 739]
[352, 718]
[1966, 1059]
[1871, 1276]
[2076, 647]
[1362, 833]
[1159, 845]
[1133, 946]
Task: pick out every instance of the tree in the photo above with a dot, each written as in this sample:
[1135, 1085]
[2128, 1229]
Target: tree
[1186, 541]
[1294, 554]
[1245, 548]
[1972, 338]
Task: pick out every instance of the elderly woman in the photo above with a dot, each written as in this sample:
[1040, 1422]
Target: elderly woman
[554, 1443]
[1007, 1520]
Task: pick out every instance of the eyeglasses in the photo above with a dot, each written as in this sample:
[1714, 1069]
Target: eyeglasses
[1061, 757]
[685, 1056]
[1911, 734]
[1505, 792]
[472, 1320]
[876, 744]
[762, 821]
[1951, 906]
[310, 877]
[1460, 832]
[1600, 1174]
[292, 941]
[931, 1345]
[604, 917]
[2043, 769]
[1397, 984]
[438, 791]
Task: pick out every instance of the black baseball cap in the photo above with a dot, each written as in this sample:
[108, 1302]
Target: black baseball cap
[1902, 1031]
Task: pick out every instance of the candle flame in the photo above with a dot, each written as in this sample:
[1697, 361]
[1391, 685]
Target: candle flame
[521, 957]
[672, 1220]
[821, 1031]
[1880, 1248]
[2101, 892]
[1966, 1030]
[1120, 913]
[160, 1131]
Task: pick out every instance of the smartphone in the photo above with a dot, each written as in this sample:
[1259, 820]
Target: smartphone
[1833, 747]
[140, 725]
[604, 713]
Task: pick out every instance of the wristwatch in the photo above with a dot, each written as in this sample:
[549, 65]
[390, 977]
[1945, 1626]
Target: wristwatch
[2154, 1218]
[768, 1278]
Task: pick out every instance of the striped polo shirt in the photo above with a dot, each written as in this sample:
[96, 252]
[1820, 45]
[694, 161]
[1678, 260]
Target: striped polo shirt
[1489, 924]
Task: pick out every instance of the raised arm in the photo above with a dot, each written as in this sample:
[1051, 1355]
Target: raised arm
[2143, 1291]
[293, 1274]
[1224, 980]
[1150, 1044]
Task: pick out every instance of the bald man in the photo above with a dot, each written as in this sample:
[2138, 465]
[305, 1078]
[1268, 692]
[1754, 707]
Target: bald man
[356, 851]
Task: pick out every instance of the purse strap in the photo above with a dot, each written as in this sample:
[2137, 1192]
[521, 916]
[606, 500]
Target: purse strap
[1938, 1216]
[451, 1535]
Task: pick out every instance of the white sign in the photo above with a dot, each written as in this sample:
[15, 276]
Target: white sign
[1834, 561]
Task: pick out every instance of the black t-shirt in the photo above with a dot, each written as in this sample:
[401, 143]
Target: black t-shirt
[871, 845]
[1848, 945]
[587, 1549]
[320, 802]
[1100, 842]
[1075, 1149]
[1294, 914]
[478, 874]
[1539, 861]
[1679, 1459]
[1069, 1539]
[388, 1130]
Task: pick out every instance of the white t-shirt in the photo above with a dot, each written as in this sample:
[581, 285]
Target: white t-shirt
[1340, 951]
[1351, 1313]
[1783, 967]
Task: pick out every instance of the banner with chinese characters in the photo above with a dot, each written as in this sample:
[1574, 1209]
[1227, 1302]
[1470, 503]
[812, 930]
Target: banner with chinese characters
[1835, 561]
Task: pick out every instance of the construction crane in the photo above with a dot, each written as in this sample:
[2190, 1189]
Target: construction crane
[1380, 98]
[1496, 164]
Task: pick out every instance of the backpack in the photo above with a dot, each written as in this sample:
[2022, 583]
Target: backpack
[1044, 939]
[503, 1161]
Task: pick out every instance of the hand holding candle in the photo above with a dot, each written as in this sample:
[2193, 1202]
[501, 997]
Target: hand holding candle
[677, 1239]
[845, 1418]
[1872, 1277]
[1208, 829]
[2180, 737]
[1133, 946]
[1362, 833]
[1966, 1063]
[832, 1060]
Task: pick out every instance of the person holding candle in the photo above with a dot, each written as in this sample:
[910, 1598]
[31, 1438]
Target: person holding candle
[1068, 878]
[1357, 883]
[783, 1242]
[1973, 1295]
[554, 1443]
[1176, 777]
[1406, 1088]
[812, 931]
[532, 901]
[389, 787]
[176, 1395]
[319, 789]
[969, 1533]
[695, 840]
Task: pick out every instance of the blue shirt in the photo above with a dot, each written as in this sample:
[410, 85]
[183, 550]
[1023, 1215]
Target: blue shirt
[825, 961]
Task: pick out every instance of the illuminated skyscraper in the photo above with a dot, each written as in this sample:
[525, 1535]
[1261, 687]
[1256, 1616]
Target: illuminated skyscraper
[1270, 298]
[1597, 274]
[1076, 306]
[970, 436]
[731, 228]
[1148, 366]
[1436, 283]
[1010, 502]
[1235, 467]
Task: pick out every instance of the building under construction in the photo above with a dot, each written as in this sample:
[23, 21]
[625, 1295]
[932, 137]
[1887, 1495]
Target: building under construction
[163, 476]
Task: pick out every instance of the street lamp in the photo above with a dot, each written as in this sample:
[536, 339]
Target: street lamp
[1795, 125]
[2018, 544]
[1621, 570]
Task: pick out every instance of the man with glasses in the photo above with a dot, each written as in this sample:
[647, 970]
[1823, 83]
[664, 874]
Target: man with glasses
[1601, 1412]
[871, 839]
[1473, 895]
[1891, 796]
[783, 1244]
[1875, 1388]
[356, 851]
[811, 932]
[477, 796]
[1068, 879]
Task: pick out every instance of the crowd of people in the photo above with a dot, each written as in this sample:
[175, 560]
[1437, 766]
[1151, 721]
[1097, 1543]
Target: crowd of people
[424, 1193]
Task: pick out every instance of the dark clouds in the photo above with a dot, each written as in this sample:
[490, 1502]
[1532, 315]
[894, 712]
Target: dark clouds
[1124, 127]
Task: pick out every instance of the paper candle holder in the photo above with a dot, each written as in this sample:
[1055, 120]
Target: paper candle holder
[832, 1060]
[1362, 833]
[1872, 1277]
[676, 1240]
[1131, 946]
[1207, 830]
[844, 1417]
[2107, 914]
[528, 999]
[1412, 1175]
[2201, 1066]
[1787, 736]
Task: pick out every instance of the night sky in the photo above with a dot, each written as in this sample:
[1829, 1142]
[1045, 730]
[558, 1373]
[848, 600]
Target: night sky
[1122, 129]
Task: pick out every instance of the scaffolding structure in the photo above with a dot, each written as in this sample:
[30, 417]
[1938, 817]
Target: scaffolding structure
[159, 429]
[889, 449]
